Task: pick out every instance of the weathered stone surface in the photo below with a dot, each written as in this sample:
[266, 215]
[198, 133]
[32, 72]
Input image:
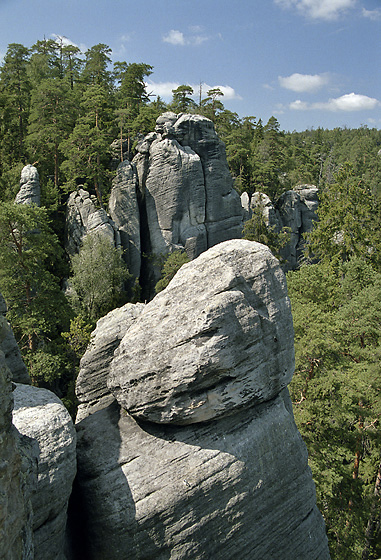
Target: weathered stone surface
[223, 211]
[91, 385]
[83, 217]
[8, 345]
[16, 479]
[40, 415]
[220, 337]
[30, 192]
[238, 487]
[186, 186]
[124, 211]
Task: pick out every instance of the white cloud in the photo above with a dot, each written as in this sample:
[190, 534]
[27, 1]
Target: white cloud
[372, 14]
[164, 90]
[66, 42]
[304, 82]
[348, 102]
[319, 9]
[194, 37]
[174, 37]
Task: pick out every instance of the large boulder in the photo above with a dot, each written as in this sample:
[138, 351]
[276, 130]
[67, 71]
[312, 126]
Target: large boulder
[30, 191]
[201, 457]
[221, 337]
[91, 386]
[41, 416]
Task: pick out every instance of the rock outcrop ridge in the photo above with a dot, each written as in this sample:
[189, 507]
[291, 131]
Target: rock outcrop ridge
[201, 461]
[177, 193]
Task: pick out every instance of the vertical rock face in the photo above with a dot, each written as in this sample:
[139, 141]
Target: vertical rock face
[124, 211]
[189, 191]
[41, 416]
[199, 456]
[16, 472]
[30, 192]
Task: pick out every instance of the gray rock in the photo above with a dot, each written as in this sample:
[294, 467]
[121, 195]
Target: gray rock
[220, 338]
[223, 211]
[174, 196]
[234, 487]
[91, 385]
[82, 218]
[40, 415]
[124, 211]
[12, 353]
[30, 192]
[183, 174]
[16, 479]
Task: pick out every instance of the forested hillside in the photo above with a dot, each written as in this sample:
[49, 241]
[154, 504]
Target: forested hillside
[61, 110]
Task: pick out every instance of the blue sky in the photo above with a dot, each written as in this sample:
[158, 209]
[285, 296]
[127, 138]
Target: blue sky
[309, 63]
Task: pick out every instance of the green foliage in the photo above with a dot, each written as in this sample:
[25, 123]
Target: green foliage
[98, 276]
[170, 266]
[182, 101]
[347, 225]
[336, 392]
[29, 251]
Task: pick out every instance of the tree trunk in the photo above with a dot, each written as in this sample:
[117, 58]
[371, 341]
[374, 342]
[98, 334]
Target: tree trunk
[374, 523]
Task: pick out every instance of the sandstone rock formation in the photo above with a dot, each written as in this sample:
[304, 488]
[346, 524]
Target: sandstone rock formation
[296, 210]
[41, 416]
[124, 210]
[203, 458]
[91, 385]
[177, 193]
[83, 217]
[221, 337]
[188, 190]
[30, 192]
[16, 479]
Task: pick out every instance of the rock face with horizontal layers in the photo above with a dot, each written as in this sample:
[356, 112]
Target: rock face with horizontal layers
[30, 192]
[41, 416]
[202, 462]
